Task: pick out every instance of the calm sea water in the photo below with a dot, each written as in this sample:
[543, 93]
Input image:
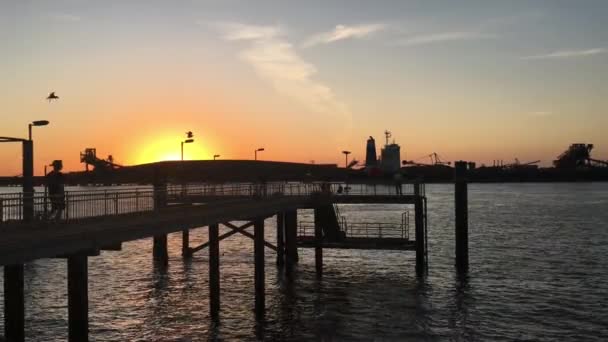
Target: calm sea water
[539, 272]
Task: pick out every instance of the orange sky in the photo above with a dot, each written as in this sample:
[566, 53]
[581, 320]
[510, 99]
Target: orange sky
[495, 82]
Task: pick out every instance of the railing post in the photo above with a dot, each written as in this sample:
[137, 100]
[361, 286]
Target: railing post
[105, 202]
[116, 203]
[67, 205]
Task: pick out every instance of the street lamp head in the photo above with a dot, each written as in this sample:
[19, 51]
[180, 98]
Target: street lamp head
[40, 123]
[216, 156]
[187, 141]
[346, 152]
[260, 149]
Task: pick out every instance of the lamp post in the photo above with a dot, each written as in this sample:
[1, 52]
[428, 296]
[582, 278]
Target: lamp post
[189, 139]
[216, 156]
[256, 152]
[346, 153]
[36, 124]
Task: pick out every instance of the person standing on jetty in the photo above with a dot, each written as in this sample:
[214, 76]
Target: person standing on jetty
[398, 178]
[56, 184]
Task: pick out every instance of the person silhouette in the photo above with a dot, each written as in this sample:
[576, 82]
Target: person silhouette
[56, 185]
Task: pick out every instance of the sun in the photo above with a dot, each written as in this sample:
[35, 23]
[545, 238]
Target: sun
[168, 148]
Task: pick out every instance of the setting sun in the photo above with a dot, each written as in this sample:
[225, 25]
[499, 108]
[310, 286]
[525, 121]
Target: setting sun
[167, 148]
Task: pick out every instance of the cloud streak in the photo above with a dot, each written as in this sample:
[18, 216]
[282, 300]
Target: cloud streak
[275, 60]
[568, 54]
[343, 32]
[443, 37]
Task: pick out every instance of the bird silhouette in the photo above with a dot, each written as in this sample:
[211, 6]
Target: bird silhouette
[189, 134]
[52, 97]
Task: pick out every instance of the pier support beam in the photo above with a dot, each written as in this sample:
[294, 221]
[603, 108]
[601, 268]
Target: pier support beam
[258, 251]
[280, 239]
[462, 216]
[214, 272]
[318, 242]
[78, 298]
[159, 250]
[419, 226]
[14, 303]
[291, 237]
[186, 253]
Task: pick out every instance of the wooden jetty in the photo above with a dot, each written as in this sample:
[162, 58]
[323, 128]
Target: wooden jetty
[99, 220]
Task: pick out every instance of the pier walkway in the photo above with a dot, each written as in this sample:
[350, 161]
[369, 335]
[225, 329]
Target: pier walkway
[102, 219]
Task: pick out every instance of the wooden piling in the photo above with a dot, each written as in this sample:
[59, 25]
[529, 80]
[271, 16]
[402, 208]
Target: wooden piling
[14, 303]
[462, 216]
[186, 243]
[419, 227]
[280, 239]
[291, 237]
[318, 242]
[214, 272]
[258, 251]
[159, 249]
[78, 299]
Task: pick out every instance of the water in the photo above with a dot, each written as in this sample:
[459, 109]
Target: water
[538, 252]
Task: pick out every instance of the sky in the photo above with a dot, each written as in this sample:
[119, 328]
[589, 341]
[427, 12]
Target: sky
[470, 80]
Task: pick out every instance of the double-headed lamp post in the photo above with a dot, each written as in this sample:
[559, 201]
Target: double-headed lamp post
[346, 153]
[28, 169]
[255, 153]
[189, 139]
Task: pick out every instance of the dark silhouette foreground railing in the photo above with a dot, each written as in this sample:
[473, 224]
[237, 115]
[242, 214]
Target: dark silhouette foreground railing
[81, 204]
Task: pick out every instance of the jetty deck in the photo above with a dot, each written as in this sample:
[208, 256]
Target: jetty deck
[96, 220]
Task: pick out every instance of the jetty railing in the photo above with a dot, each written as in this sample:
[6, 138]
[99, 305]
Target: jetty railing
[373, 230]
[79, 204]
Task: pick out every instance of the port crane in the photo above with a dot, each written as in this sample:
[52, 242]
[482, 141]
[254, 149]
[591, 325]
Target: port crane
[89, 157]
[578, 155]
[435, 160]
[519, 164]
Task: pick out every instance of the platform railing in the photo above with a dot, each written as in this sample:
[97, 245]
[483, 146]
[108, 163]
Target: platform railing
[378, 230]
[115, 201]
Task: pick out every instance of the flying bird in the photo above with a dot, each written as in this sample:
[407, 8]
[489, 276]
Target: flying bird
[52, 97]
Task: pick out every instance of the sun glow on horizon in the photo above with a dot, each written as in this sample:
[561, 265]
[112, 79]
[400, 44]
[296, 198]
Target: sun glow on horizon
[167, 148]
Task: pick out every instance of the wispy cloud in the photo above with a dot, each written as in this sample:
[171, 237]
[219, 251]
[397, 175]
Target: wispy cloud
[276, 61]
[342, 32]
[442, 37]
[568, 54]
